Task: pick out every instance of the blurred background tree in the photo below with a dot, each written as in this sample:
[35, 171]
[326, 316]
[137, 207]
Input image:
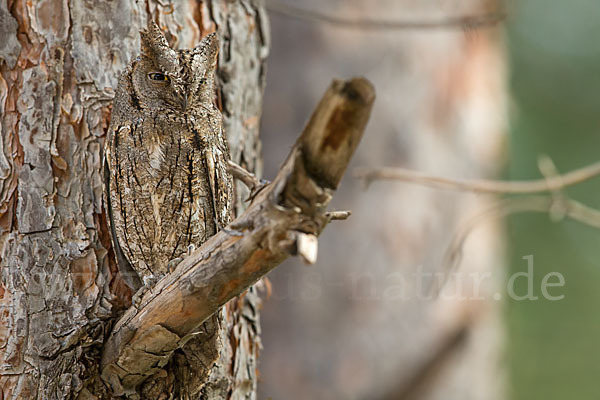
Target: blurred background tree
[359, 324]
[457, 103]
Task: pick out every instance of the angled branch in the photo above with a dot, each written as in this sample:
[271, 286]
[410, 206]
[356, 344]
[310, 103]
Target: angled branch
[282, 220]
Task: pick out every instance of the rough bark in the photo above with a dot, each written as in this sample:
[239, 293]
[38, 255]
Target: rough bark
[60, 291]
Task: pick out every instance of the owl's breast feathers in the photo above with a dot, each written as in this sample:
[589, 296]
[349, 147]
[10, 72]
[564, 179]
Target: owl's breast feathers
[168, 187]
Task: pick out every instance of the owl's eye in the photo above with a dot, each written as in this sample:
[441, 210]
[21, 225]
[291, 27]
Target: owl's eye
[157, 76]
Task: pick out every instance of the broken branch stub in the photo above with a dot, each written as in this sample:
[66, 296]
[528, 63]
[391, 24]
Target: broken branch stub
[292, 206]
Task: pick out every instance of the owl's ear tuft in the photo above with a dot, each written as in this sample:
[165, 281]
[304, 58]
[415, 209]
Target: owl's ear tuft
[153, 41]
[208, 48]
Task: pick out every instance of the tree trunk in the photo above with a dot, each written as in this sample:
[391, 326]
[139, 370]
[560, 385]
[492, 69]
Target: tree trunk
[61, 292]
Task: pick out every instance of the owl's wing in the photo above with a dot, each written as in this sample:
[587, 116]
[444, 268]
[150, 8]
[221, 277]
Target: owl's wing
[130, 277]
[220, 180]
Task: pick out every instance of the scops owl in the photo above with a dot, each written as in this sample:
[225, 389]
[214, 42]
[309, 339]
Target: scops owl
[167, 186]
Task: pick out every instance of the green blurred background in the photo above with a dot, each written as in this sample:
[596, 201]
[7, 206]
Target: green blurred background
[554, 48]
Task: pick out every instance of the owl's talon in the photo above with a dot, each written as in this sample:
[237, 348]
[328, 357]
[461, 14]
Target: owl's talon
[136, 299]
[190, 249]
[149, 283]
[174, 263]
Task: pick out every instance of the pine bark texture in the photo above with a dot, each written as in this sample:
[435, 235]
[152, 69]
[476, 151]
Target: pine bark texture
[60, 292]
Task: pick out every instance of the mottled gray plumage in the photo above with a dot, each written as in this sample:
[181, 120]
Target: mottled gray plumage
[167, 185]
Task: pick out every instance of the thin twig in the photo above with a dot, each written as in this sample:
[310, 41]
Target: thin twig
[569, 208]
[338, 215]
[238, 172]
[550, 184]
[461, 22]
[254, 184]
[549, 171]
[558, 205]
